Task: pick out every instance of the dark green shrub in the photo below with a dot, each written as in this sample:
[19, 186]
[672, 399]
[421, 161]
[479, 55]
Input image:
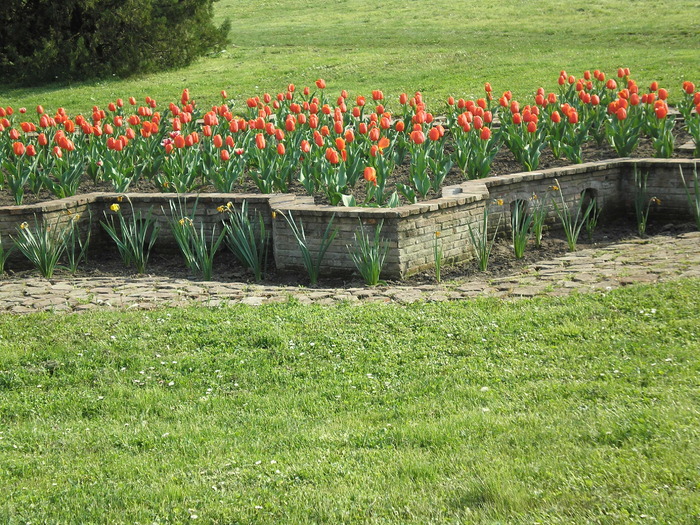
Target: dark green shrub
[45, 40]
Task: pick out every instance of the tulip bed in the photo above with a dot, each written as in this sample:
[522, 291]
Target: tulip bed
[342, 150]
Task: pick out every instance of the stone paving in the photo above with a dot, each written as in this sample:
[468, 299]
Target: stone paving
[649, 260]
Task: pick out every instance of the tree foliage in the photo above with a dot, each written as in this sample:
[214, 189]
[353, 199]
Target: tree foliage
[45, 40]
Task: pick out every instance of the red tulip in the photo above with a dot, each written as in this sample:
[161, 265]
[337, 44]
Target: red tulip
[332, 156]
[349, 136]
[225, 155]
[31, 150]
[485, 133]
[370, 175]
[663, 94]
[260, 141]
[321, 84]
[555, 117]
[14, 134]
[418, 137]
[531, 126]
[661, 111]
[179, 142]
[611, 84]
[573, 117]
[18, 148]
[229, 141]
[305, 146]
[400, 125]
[621, 114]
[280, 149]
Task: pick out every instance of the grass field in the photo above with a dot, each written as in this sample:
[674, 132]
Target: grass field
[577, 410]
[441, 47]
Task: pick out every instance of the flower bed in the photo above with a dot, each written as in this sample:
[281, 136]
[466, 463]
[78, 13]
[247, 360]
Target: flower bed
[410, 230]
[349, 156]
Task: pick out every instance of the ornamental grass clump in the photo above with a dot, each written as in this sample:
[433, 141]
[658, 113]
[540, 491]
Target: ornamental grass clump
[134, 236]
[437, 256]
[369, 253]
[76, 246]
[481, 244]
[4, 254]
[694, 199]
[570, 221]
[197, 245]
[247, 243]
[312, 261]
[520, 222]
[43, 245]
[642, 202]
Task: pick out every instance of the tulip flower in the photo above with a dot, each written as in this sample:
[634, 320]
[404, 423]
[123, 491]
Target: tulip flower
[260, 141]
[18, 148]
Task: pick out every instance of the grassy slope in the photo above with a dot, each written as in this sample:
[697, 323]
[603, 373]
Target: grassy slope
[550, 410]
[441, 47]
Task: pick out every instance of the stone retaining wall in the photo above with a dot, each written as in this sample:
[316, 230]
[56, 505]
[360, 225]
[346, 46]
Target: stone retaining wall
[410, 230]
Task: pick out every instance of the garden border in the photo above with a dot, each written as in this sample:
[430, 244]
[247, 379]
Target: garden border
[410, 230]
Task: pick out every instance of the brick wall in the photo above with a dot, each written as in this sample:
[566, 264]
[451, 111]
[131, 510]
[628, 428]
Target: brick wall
[409, 230]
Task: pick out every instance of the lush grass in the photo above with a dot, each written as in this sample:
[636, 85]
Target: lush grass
[572, 410]
[440, 47]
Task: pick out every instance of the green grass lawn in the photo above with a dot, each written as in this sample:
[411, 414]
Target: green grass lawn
[440, 47]
[576, 410]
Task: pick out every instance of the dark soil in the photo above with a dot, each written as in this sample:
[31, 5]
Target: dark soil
[504, 163]
[106, 262]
